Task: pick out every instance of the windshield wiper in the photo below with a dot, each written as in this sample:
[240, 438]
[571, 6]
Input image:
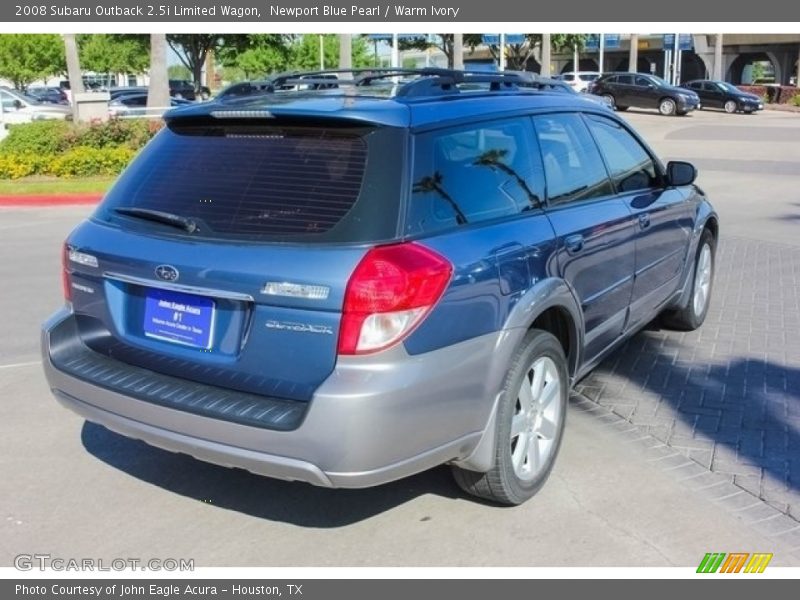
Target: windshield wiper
[158, 216]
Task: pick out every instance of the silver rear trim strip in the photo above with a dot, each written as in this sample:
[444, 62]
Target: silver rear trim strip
[188, 289]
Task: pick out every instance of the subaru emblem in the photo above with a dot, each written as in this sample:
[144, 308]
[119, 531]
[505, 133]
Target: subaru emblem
[167, 273]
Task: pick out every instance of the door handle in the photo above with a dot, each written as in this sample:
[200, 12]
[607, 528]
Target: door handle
[573, 243]
[644, 220]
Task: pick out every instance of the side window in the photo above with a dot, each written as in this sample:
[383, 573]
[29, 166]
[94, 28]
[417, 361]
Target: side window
[474, 173]
[628, 162]
[710, 87]
[573, 167]
[642, 81]
[568, 77]
[696, 85]
[626, 79]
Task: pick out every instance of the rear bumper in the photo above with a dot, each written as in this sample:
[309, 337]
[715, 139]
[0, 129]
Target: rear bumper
[375, 419]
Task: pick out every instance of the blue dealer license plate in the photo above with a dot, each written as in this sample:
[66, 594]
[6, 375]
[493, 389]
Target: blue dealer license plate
[179, 318]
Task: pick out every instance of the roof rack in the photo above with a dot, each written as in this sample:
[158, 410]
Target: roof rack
[427, 81]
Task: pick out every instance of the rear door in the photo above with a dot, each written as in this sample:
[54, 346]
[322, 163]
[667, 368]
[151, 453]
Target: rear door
[622, 89]
[663, 216]
[249, 296]
[594, 229]
[711, 95]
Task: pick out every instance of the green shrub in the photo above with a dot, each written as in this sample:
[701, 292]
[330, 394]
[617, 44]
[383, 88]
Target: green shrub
[796, 100]
[54, 137]
[83, 161]
[14, 166]
[133, 133]
[38, 137]
[73, 149]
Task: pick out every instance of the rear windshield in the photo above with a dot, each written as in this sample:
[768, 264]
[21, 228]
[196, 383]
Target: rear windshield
[334, 184]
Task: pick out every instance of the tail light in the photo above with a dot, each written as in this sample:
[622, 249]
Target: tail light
[66, 284]
[390, 292]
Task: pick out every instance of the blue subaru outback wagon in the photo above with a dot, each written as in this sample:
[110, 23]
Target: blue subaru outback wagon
[351, 284]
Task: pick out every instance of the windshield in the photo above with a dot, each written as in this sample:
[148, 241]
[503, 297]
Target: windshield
[24, 98]
[727, 87]
[657, 80]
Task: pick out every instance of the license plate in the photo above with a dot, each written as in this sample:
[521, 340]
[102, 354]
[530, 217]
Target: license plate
[179, 318]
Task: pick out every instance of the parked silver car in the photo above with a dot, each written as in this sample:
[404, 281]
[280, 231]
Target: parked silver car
[20, 108]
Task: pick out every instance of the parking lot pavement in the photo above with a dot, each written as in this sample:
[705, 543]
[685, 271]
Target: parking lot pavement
[728, 395]
[73, 489]
[724, 403]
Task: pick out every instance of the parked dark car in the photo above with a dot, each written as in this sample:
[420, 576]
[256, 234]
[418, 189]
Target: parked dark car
[50, 95]
[262, 86]
[183, 88]
[117, 92]
[720, 94]
[349, 286]
[640, 90]
[130, 105]
[244, 88]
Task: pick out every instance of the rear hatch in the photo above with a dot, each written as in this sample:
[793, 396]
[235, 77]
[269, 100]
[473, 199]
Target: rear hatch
[223, 252]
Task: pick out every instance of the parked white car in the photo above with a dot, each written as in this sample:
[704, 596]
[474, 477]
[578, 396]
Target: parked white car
[579, 81]
[21, 108]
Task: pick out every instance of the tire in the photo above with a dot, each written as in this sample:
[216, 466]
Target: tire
[730, 107]
[609, 99]
[667, 106]
[522, 462]
[694, 313]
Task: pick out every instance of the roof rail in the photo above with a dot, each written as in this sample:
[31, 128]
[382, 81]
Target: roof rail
[426, 82]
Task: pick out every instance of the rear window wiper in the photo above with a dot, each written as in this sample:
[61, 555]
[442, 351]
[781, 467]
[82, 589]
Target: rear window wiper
[185, 223]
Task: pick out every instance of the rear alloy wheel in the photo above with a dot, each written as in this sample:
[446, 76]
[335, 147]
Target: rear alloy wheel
[529, 424]
[694, 313]
[609, 99]
[667, 107]
[730, 107]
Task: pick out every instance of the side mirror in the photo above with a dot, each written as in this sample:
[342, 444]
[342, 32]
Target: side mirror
[680, 173]
[17, 104]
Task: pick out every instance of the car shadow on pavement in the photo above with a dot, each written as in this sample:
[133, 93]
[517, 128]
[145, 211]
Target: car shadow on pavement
[738, 415]
[238, 490]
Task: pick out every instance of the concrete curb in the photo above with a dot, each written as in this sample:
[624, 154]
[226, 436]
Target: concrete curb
[40, 200]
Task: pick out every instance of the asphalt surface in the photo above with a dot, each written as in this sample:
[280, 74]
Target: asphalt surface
[621, 494]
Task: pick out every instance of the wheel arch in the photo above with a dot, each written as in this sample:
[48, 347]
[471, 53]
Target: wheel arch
[549, 305]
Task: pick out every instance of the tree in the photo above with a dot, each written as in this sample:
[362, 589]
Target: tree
[107, 53]
[518, 55]
[26, 57]
[345, 51]
[179, 72]
[193, 48]
[261, 55]
[442, 41]
[158, 94]
[304, 52]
